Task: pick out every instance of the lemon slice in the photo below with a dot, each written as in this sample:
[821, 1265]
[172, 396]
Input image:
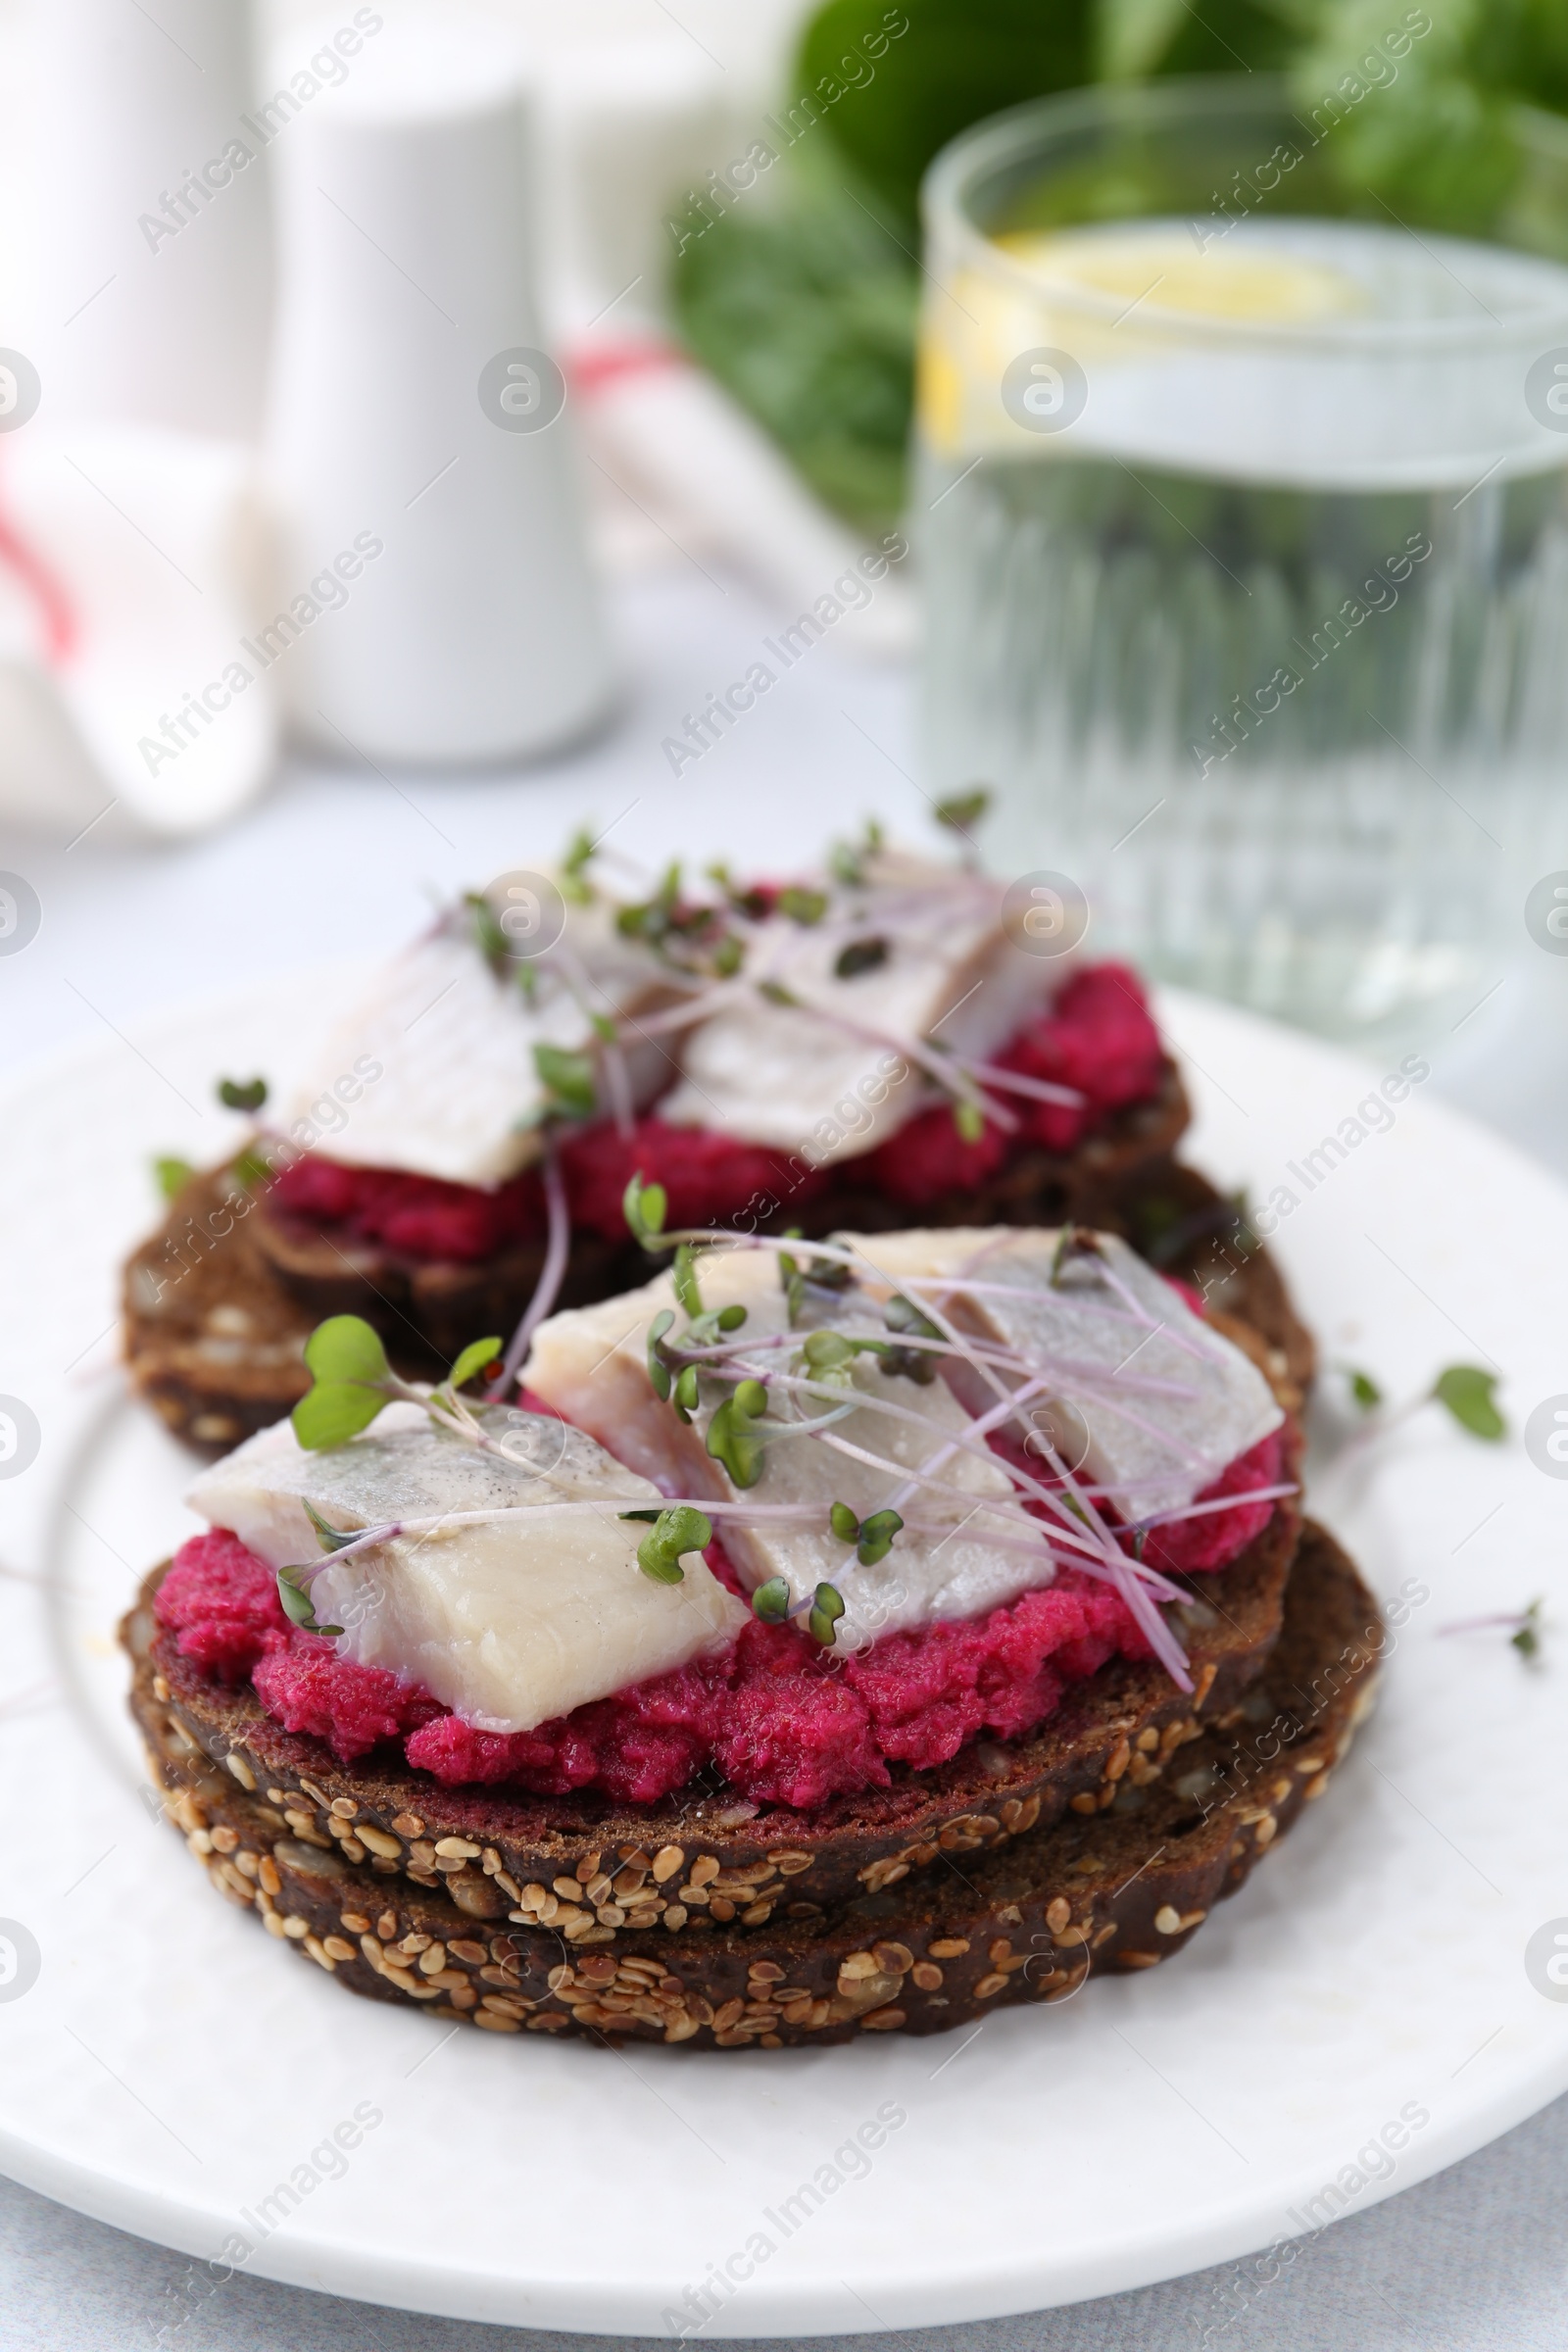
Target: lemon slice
[1167, 273]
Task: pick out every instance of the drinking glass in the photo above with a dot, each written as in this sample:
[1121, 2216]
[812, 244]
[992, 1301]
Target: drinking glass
[1243, 518]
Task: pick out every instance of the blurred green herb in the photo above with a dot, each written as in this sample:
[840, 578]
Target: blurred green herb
[237, 1095]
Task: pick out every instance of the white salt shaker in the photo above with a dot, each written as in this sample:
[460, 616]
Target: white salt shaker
[435, 601]
[143, 215]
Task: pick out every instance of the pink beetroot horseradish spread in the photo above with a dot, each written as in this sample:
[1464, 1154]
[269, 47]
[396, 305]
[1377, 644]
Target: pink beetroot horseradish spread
[1098, 1039]
[782, 1720]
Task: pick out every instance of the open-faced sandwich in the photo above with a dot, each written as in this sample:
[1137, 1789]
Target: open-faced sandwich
[877, 1044]
[837, 1638]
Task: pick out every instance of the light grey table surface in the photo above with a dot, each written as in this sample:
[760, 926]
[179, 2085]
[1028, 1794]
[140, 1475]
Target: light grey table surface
[335, 861]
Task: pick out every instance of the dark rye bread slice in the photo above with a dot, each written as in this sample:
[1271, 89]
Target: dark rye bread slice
[1112, 1890]
[431, 1308]
[705, 1848]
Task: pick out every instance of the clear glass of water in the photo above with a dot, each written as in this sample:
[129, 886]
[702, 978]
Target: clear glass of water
[1244, 538]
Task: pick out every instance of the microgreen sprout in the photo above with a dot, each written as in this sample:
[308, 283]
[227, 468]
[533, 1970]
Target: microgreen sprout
[1074, 1240]
[876, 1538]
[488, 936]
[802, 906]
[673, 1533]
[1466, 1391]
[1469, 1395]
[772, 1601]
[732, 1436]
[844, 1523]
[918, 1364]
[172, 1175]
[296, 1601]
[644, 1205]
[684, 1277]
[237, 1095]
[861, 955]
[574, 882]
[828, 1609]
[970, 1121]
[818, 1273]
[1525, 1629]
[964, 809]
[847, 859]
[353, 1383]
[568, 1081]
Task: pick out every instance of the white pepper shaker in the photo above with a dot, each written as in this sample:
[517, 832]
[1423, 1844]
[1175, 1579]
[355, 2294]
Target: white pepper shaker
[435, 601]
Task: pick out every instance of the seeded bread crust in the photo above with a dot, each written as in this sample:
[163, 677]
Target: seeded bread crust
[708, 1849]
[215, 1342]
[1027, 1921]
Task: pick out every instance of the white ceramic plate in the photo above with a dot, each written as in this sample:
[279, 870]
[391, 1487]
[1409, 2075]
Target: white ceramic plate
[171, 2066]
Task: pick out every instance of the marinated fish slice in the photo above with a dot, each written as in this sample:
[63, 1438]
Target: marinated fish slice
[508, 1622]
[1147, 1397]
[918, 952]
[434, 1072]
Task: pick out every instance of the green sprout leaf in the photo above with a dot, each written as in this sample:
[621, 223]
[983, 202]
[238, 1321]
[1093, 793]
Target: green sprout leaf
[901, 1314]
[346, 1348]
[643, 1207]
[330, 1539]
[234, 1096]
[1074, 1240]
[567, 1079]
[970, 1121]
[686, 1397]
[334, 1411]
[659, 1372]
[844, 1523]
[1526, 1638]
[574, 882]
[675, 1531]
[488, 936]
[772, 1601]
[829, 1355]
[861, 955]
[775, 992]
[171, 1176]
[1468, 1394]
[804, 907]
[728, 956]
[846, 858]
[297, 1604]
[1364, 1389]
[876, 1537]
[731, 1438]
[918, 1364]
[964, 810]
[474, 1359]
[684, 1276]
[828, 1609]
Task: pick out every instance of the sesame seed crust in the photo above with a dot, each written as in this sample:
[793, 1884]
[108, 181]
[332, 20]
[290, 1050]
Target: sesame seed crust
[1029, 1919]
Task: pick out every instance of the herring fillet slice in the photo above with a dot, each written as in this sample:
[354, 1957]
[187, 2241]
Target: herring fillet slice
[510, 1623]
[590, 1364]
[456, 1093]
[1151, 1450]
[793, 1076]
